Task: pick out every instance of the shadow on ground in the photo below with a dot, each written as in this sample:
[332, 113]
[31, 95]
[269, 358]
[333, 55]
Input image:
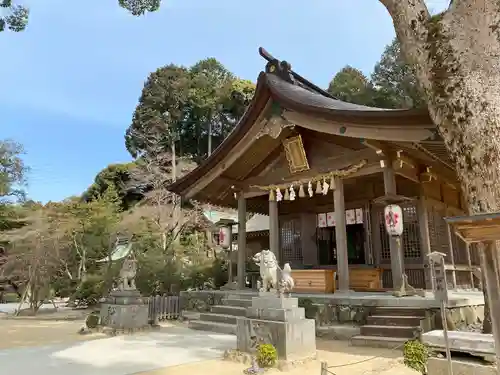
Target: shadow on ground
[333, 346]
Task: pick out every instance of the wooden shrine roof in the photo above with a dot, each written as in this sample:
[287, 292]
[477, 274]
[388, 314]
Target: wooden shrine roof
[307, 110]
[476, 228]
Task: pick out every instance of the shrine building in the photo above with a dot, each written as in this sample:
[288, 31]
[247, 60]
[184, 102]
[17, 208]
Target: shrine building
[321, 169]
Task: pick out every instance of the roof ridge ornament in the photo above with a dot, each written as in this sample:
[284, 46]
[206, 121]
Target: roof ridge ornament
[282, 69]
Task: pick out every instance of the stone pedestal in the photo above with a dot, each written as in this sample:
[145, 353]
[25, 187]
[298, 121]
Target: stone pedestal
[280, 322]
[124, 311]
[473, 343]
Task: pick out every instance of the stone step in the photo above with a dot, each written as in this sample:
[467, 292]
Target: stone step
[237, 302]
[398, 311]
[246, 296]
[388, 331]
[220, 318]
[229, 310]
[217, 327]
[387, 320]
[395, 343]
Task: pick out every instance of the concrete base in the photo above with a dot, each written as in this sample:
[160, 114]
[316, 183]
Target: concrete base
[439, 366]
[124, 311]
[293, 340]
[338, 332]
[477, 344]
[372, 299]
[280, 322]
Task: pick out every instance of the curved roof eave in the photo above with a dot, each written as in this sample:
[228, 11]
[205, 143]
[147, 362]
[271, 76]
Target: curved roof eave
[297, 98]
[254, 109]
[300, 99]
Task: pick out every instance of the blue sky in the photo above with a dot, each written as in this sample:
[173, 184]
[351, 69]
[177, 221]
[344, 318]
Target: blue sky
[71, 81]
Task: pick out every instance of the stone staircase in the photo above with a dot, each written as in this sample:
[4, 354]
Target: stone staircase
[222, 318]
[389, 327]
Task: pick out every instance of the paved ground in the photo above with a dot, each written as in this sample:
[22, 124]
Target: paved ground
[120, 355]
[345, 359]
[43, 347]
[15, 333]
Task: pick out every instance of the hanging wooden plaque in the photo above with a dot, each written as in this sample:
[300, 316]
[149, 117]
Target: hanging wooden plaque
[295, 154]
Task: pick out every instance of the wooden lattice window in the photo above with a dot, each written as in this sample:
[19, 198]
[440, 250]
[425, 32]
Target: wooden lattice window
[291, 246]
[368, 231]
[410, 238]
[437, 231]
[459, 249]
[385, 250]
[411, 233]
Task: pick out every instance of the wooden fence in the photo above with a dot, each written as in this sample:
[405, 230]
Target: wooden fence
[163, 308]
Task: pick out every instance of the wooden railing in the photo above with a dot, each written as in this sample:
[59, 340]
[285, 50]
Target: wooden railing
[163, 308]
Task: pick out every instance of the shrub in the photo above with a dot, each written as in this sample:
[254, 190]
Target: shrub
[219, 272]
[63, 287]
[415, 356]
[266, 355]
[90, 291]
[92, 321]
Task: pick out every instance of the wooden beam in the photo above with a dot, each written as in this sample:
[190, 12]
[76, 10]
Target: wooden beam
[388, 151]
[406, 171]
[428, 175]
[405, 166]
[367, 170]
[402, 164]
[396, 132]
[380, 148]
[326, 165]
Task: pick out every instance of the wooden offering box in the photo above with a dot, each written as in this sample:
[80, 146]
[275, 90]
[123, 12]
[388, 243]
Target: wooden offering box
[365, 279]
[313, 281]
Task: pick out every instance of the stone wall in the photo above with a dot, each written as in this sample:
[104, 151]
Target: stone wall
[327, 313]
[463, 318]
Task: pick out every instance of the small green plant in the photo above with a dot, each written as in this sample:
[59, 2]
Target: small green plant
[415, 356]
[92, 321]
[266, 355]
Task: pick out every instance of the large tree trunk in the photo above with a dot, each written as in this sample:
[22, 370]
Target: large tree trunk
[457, 59]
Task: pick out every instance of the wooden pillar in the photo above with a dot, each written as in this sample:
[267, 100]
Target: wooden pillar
[242, 239]
[274, 230]
[452, 257]
[341, 235]
[491, 271]
[469, 263]
[425, 240]
[397, 259]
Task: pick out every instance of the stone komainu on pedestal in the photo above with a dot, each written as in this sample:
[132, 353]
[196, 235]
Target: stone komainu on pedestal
[275, 318]
[124, 309]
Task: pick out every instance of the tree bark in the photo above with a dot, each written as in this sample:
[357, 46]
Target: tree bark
[457, 59]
